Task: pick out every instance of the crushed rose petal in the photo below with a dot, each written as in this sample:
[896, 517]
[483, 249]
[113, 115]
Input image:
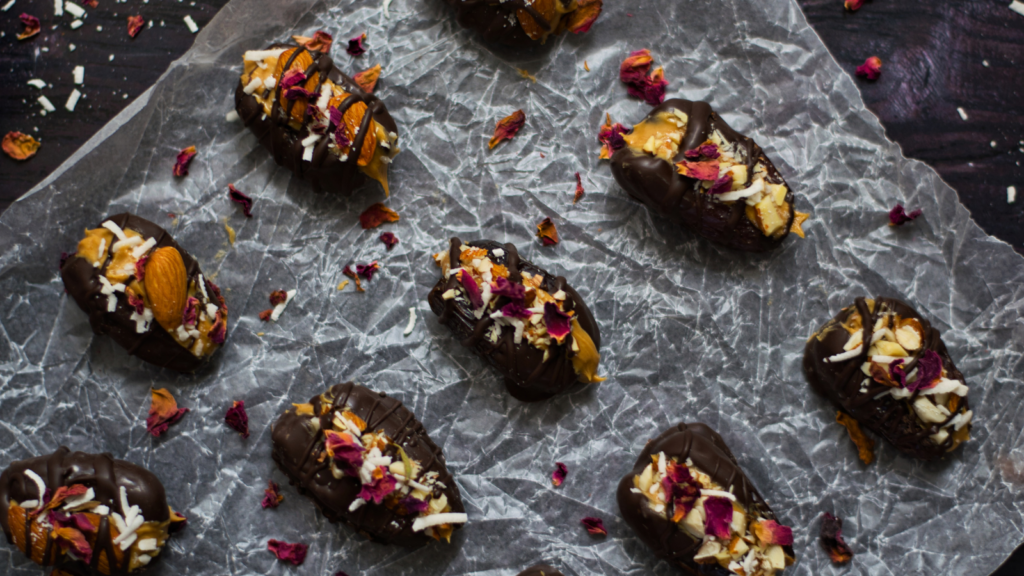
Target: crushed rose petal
[219, 330]
[707, 170]
[853, 5]
[376, 215]
[345, 451]
[559, 324]
[296, 92]
[382, 484]
[237, 419]
[579, 189]
[610, 137]
[183, 160]
[721, 185]
[413, 505]
[242, 199]
[896, 369]
[581, 19]
[347, 271]
[709, 151]
[389, 239]
[31, 24]
[898, 216]
[516, 310]
[633, 72]
[272, 496]
[865, 445]
[832, 539]
[320, 42]
[294, 553]
[20, 146]
[265, 315]
[718, 516]
[511, 290]
[558, 476]
[78, 521]
[771, 532]
[929, 369]
[163, 411]
[507, 128]
[682, 496]
[278, 297]
[594, 525]
[547, 232]
[367, 79]
[72, 540]
[355, 45]
[135, 24]
[367, 270]
[292, 77]
[140, 305]
[473, 293]
[140, 268]
[871, 68]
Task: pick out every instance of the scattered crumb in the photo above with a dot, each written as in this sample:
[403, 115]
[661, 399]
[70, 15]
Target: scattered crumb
[111, 58]
[992, 143]
[230, 231]
[526, 74]
[984, 63]
[219, 256]
[342, 285]
[586, 66]
[260, 333]
[962, 113]
[412, 322]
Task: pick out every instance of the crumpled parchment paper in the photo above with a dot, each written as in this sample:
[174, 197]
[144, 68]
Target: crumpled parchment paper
[690, 331]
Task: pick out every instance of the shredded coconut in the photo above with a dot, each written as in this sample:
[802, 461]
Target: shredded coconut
[438, 519]
[412, 322]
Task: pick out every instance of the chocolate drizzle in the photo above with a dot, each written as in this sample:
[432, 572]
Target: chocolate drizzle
[156, 346]
[326, 171]
[895, 420]
[105, 476]
[528, 376]
[298, 446]
[496, 20]
[658, 185]
[540, 570]
[709, 454]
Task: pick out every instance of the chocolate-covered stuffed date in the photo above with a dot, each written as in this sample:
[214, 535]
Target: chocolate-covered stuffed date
[540, 570]
[902, 385]
[364, 460]
[685, 162]
[688, 500]
[312, 118]
[147, 293]
[522, 23]
[530, 325]
[85, 514]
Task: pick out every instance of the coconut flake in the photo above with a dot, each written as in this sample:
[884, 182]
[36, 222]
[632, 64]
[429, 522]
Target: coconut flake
[47, 105]
[38, 482]
[756, 187]
[1011, 194]
[844, 356]
[58, 8]
[36, 83]
[280, 307]
[140, 250]
[191, 24]
[438, 519]
[79, 74]
[412, 322]
[115, 229]
[72, 100]
[722, 493]
[962, 112]
[7, 6]
[254, 84]
[232, 116]
[74, 9]
[261, 55]
[1017, 6]
[962, 419]
[385, 6]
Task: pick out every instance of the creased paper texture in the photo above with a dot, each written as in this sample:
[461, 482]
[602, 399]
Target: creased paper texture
[691, 331]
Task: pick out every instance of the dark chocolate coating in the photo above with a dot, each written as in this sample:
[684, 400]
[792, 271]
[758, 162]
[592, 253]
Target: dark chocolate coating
[659, 186]
[527, 376]
[710, 455]
[297, 448]
[496, 20]
[894, 420]
[540, 570]
[156, 346]
[105, 476]
[326, 171]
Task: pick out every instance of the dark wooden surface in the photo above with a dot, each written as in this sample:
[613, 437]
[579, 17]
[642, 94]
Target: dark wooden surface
[937, 56]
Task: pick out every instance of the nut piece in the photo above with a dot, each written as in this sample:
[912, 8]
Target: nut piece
[166, 285]
[909, 334]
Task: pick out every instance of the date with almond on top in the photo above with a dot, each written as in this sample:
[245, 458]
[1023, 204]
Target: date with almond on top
[147, 293]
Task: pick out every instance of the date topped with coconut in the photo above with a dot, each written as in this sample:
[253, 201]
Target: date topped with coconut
[147, 293]
[531, 325]
[691, 503]
[886, 366]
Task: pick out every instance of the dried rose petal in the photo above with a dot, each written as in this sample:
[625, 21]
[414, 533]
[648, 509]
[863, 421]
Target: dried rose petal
[140, 268]
[91, 3]
[633, 72]
[367, 270]
[413, 505]
[296, 92]
[610, 137]
[871, 68]
[898, 216]
[376, 215]
[511, 290]
[473, 293]
[294, 553]
[865, 445]
[516, 310]
[507, 128]
[722, 185]
[265, 315]
[832, 540]
[184, 159]
[20, 146]
[707, 170]
[594, 525]
[683, 497]
[853, 5]
[237, 419]
[219, 330]
[679, 473]
[709, 151]
[558, 476]
[929, 369]
[135, 24]
[163, 411]
[717, 516]
[58, 497]
[320, 42]
[31, 24]
[73, 541]
[558, 323]
[367, 79]
[189, 315]
[140, 305]
[240, 198]
[579, 189]
[272, 496]
[292, 77]
[581, 19]
[78, 521]
[389, 239]
[345, 451]
[355, 46]
[771, 532]
[547, 232]
[383, 483]
[278, 297]
[347, 271]
[898, 372]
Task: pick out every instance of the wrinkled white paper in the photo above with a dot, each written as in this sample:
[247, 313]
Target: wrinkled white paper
[690, 331]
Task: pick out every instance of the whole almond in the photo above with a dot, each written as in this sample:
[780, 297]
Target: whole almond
[166, 285]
